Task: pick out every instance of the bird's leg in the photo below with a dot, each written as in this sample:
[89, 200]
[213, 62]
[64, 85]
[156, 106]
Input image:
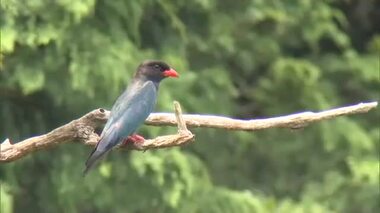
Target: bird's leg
[136, 139]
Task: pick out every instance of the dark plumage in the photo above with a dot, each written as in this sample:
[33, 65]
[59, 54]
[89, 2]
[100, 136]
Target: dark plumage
[131, 108]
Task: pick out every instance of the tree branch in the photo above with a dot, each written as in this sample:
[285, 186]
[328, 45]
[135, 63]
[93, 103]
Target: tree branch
[83, 129]
[293, 121]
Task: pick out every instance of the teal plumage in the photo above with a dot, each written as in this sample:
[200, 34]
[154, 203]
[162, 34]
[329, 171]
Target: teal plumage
[131, 108]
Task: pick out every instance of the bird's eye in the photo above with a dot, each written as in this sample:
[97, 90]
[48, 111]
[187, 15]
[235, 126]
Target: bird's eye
[157, 66]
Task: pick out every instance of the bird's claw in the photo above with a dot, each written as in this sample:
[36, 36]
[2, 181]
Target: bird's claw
[136, 139]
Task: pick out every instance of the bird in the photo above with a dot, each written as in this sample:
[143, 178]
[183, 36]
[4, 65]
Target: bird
[131, 109]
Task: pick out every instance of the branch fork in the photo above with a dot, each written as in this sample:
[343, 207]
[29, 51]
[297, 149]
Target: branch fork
[182, 137]
[83, 130]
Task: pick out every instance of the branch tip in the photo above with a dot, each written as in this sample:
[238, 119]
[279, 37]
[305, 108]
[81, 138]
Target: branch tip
[5, 145]
[178, 114]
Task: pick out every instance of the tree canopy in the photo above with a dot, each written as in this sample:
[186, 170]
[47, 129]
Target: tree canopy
[242, 58]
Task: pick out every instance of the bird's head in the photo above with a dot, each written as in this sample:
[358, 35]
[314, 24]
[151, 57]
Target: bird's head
[155, 70]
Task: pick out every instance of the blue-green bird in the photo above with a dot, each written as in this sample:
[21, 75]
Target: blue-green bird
[131, 108]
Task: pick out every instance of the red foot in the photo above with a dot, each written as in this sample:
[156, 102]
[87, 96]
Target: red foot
[136, 139]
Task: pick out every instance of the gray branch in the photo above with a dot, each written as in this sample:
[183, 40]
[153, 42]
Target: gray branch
[83, 129]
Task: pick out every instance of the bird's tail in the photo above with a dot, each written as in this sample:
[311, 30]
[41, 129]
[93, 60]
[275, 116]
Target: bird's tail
[105, 144]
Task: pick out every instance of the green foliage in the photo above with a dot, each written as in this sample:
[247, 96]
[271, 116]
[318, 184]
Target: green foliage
[6, 199]
[246, 58]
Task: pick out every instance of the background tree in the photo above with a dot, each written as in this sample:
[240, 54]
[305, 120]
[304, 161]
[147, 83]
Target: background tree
[61, 59]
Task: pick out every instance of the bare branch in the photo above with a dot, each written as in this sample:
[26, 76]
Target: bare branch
[292, 121]
[82, 129]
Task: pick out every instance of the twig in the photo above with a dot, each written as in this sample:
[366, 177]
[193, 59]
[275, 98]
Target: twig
[82, 129]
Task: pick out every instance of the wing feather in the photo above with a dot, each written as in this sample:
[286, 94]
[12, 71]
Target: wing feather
[129, 112]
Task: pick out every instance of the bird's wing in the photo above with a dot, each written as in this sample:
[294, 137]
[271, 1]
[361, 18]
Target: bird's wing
[131, 111]
[126, 99]
[140, 105]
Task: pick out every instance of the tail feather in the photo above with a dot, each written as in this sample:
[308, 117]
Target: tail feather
[104, 145]
[93, 160]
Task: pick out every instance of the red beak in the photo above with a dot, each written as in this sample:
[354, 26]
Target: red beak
[171, 73]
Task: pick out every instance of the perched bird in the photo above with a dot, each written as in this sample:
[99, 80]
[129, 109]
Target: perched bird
[131, 109]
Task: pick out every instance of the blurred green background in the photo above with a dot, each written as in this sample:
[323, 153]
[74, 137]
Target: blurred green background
[239, 58]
